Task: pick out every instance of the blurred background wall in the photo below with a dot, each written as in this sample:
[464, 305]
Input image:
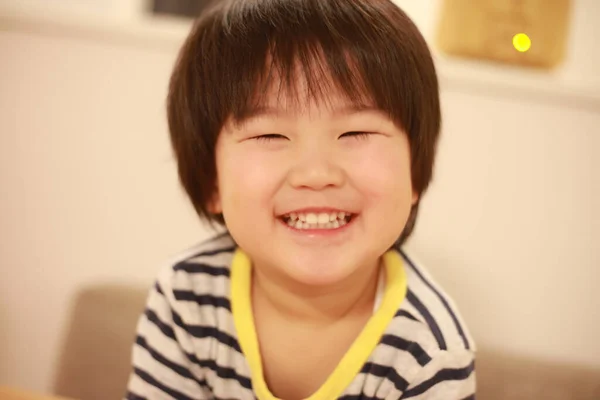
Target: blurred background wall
[89, 194]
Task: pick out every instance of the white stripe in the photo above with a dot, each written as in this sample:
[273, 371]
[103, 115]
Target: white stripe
[202, 284]
[210, 244]
[380, 291]
[388, 391]
[373, 385]
[222, 259]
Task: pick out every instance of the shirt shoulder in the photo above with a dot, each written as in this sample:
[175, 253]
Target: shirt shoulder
[198, 287]
[196, 284]
[198, 268]
[186, 345]
[428, 303]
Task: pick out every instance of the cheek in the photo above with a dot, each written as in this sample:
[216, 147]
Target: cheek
[384, 171]
[245, 177]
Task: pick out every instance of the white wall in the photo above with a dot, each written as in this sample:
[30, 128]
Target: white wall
[89, 191]
[511, 226]
[89, 194]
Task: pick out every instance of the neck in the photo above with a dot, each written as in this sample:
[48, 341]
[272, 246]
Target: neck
[324, 304]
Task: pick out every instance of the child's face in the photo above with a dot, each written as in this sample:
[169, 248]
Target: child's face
[306, 160]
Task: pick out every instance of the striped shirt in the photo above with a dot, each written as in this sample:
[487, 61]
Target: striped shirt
[195, 339]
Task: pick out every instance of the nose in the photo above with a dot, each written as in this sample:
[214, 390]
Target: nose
[316, 169]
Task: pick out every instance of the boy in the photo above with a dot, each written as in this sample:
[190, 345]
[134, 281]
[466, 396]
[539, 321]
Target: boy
[308, 129]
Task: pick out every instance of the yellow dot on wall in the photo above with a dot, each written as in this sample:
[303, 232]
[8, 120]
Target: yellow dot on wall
[521, 42]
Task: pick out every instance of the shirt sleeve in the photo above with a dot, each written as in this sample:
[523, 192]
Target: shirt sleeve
[161, 366]
[450, 375]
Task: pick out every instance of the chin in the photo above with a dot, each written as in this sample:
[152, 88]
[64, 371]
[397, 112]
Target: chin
[319, 274]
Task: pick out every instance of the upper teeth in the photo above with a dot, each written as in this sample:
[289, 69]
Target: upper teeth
[320, 218]
[331, 220]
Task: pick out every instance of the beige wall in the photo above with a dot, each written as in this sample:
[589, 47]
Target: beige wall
[89, 195]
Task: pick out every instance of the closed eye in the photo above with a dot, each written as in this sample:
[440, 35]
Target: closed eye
[358, 135]
[269, 137]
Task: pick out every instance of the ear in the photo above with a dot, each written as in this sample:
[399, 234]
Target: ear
[214, 205]
[415, 197]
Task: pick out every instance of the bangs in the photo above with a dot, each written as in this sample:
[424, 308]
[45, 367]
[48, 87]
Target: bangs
[338, 47]
[300, 78]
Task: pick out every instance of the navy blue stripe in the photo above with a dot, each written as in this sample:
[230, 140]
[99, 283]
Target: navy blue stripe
[199, 268]
[200, 332]
[405, 314]
[222, 372]
[433, 326]
[202, 300]
[214, 252]
[411, 347]
[157, 384]
[164, 328]
[132, 396]
[158, 288]
[179, 369]
[459, 327]
[449, 374]
[389, 373]
[227, 373]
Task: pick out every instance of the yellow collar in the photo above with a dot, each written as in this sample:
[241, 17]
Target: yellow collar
[353, 360]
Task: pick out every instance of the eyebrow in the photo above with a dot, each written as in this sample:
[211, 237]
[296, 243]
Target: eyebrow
[266, 110]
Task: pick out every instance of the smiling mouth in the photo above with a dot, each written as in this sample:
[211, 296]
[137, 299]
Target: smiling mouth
[322, 220]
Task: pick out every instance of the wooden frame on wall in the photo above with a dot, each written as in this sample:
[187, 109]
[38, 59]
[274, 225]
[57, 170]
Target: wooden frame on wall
[484, 29]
